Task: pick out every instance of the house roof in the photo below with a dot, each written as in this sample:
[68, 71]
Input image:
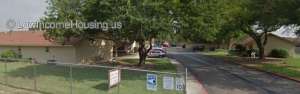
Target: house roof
[26, 38]
[248, 40]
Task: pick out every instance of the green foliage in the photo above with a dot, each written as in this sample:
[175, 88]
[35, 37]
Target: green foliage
[285, 70]
[240, 48]
[9, 54]
[279, 53]
[216, 21]
[141, 19]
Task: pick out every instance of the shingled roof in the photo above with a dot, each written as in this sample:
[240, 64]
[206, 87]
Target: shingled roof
[27, 38]
[294, 41]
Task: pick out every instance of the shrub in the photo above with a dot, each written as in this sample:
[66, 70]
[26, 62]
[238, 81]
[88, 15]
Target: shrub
[279, 53]
[9, 54]
[232, 52]
[240, 48]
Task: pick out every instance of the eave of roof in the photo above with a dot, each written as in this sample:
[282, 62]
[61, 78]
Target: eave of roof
[27, 38]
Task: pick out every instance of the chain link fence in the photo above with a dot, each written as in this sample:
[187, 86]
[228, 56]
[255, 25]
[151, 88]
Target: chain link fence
[62, 78]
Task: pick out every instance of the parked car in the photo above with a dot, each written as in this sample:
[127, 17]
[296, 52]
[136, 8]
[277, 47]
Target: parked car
[157, 53]
[166, 45]
[164, 49]
[199, 48]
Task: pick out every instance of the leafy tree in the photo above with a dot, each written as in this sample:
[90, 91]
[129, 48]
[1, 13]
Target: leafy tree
[257, 18]
[62, 11]
[142, 20]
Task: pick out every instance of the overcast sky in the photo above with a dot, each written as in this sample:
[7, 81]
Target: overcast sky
[20, 10]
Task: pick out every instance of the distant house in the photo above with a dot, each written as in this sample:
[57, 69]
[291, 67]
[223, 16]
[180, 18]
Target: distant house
[274, 42]
[29, 44]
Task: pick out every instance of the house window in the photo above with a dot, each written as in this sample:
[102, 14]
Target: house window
[19, 49]
[47, 49]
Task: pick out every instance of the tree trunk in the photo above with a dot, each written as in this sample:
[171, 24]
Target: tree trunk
[143, 52]
[116, 51]
[261, 47]
[261, 52]
[229, 44]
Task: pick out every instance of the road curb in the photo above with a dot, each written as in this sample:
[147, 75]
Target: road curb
[268, 72]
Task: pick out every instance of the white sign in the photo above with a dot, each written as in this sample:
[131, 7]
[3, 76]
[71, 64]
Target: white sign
[114, 77]
[179, 84]
[152, 82]
[168, 82]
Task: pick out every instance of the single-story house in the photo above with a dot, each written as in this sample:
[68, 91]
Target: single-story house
[33, 44]
[274, 42]
[298, 46]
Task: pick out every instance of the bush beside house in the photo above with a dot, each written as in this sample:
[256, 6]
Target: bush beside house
[279, 53]
[9, 54]
[241, 50]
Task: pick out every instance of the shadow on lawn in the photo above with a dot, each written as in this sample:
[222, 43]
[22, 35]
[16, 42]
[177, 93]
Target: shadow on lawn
[153, 64]
[79, 73]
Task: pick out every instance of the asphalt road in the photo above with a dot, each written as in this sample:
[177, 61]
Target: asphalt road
[224, 78]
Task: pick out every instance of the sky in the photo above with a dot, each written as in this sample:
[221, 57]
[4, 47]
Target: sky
[20, 11]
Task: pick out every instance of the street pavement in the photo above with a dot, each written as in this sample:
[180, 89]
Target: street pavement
[224, 78]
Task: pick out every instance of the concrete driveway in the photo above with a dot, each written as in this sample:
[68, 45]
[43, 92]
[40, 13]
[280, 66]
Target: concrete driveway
[223, 78]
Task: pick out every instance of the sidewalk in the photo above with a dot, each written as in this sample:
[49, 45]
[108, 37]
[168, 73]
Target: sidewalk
[193, 85]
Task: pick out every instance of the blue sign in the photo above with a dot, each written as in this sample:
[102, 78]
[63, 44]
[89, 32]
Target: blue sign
[152, 82]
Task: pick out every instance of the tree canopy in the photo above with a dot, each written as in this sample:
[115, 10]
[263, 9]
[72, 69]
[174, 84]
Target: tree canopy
[191, 20]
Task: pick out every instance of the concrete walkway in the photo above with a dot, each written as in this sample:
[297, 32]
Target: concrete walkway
[193, 85]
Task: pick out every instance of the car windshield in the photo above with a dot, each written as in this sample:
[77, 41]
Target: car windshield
[155, 52]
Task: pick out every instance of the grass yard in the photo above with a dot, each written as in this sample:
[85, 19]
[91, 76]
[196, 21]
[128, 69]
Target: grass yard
[55, 79]
[10, 90]
[158, 64]
[218, 52]
[288, 67]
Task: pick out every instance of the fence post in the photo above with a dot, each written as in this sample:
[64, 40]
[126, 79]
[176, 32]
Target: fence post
[5, 71]
[119, 80]
[71, 79]
[34, 74]
[185, 80]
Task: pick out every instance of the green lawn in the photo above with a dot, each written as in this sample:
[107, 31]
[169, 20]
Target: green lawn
[289, 67]
[158, 64]
[54, 79]
[218, 52]
[284, 70]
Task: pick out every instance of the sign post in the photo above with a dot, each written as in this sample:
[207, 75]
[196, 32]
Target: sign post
[180, 84]
[168, 82]
[114, 77]
[152, 82]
